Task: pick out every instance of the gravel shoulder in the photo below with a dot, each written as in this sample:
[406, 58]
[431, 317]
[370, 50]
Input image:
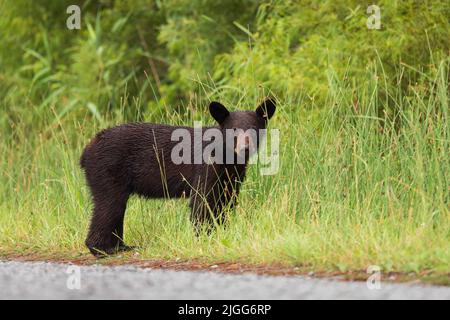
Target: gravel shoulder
[44, 280]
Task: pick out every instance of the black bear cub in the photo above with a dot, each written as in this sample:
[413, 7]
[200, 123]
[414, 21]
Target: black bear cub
[138, 159]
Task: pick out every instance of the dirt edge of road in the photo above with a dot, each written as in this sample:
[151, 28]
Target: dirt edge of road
[424, 277]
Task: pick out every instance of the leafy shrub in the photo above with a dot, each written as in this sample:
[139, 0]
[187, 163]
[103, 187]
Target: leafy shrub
[165, 55]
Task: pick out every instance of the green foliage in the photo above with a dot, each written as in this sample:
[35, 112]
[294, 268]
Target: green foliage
[165, 55]
[195, 33]
[300, 47]
[364, 169]
[352, 191]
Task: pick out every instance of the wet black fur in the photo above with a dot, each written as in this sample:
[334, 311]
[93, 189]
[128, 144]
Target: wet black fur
[136, 159]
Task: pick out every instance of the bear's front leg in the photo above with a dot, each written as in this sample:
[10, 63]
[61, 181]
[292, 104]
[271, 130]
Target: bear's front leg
[205, 211]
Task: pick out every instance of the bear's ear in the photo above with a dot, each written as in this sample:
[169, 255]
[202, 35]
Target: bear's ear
[218, 111]
[266, 109]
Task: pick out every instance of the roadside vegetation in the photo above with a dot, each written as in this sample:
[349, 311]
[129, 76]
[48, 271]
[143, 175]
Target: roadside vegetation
[364, 175]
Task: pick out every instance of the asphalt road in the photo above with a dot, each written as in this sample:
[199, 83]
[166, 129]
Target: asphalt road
[42, 280]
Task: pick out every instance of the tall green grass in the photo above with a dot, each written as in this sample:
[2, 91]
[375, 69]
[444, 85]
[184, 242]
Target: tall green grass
[356, 186]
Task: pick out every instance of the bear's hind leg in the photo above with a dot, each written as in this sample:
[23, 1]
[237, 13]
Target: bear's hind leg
[122, 246]
[106, 230]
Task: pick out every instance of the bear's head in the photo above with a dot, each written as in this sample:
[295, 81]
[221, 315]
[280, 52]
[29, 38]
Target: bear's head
[244, 127]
